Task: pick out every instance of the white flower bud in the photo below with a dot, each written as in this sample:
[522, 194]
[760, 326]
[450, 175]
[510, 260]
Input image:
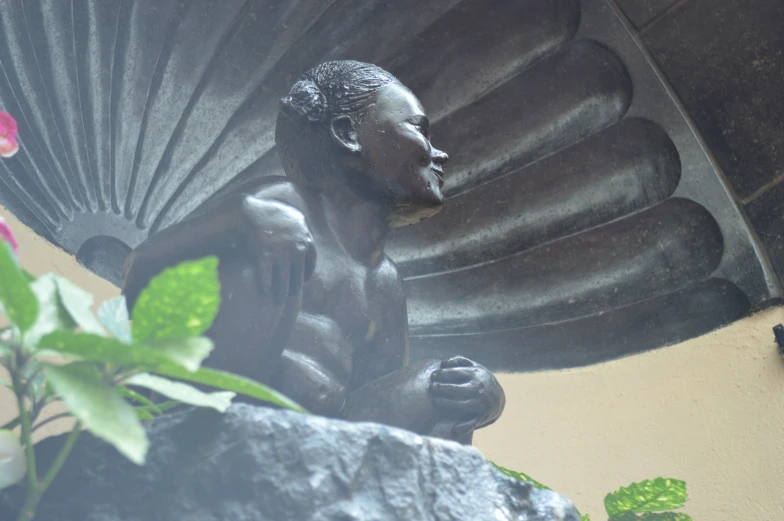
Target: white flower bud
[13, 465]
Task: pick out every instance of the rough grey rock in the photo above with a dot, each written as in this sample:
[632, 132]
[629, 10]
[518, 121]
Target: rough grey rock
[258, 464]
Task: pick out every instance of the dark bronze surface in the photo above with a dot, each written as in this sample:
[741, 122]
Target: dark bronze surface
[311, 304]
[568, 152]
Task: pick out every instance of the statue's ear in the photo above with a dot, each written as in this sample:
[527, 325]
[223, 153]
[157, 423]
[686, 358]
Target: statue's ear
[344, 133]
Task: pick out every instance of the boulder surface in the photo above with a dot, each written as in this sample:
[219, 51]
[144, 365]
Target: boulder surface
[260, 464]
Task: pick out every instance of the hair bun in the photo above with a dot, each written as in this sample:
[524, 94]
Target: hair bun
[306, 100]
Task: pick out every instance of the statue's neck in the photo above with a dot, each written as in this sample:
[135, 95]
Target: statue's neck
[360, 225]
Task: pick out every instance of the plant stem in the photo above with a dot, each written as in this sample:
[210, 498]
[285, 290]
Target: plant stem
[27, 439]
[33, 416]
[34, 494]
[28, 510]
[30, 379]
[65, 450]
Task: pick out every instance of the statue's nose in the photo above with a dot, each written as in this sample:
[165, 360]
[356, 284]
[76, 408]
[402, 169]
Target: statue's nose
[440, 157]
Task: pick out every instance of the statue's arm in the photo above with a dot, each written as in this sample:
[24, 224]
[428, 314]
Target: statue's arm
[268, 219]
[385, 387]
[266, 253]
[448, 399]
[212, 232]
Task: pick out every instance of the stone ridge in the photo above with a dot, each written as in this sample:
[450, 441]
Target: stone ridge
[259, 464]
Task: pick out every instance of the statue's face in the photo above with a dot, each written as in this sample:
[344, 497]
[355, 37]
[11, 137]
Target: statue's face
[398, 156]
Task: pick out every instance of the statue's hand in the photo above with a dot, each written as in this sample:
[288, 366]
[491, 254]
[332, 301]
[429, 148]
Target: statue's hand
[281, 241]
[463, 387]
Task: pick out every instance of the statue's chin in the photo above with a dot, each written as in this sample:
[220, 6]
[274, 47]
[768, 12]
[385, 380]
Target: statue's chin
[403, 215]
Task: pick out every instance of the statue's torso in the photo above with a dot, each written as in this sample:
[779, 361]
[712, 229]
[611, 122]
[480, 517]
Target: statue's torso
[341, 312]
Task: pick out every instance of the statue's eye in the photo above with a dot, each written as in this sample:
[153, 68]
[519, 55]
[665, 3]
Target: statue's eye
[423, 130]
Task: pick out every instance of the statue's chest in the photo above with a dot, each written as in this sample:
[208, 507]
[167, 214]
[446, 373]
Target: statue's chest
[339, 290]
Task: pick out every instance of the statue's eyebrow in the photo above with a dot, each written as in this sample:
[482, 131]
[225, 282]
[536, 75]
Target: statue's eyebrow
[421, 120]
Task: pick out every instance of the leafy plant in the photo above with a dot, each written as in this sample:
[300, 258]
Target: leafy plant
[104, 361]
[644, 501]
[520, 476]
[646, 497]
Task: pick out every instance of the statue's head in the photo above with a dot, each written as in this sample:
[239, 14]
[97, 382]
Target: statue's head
[354, 123]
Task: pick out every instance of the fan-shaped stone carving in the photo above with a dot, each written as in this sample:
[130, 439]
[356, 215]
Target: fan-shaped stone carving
[585, 220]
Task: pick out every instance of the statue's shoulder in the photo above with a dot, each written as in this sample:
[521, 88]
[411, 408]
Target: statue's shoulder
[387, 280]
[281, 189]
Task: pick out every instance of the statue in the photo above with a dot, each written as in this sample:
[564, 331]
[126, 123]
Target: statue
[311, 305]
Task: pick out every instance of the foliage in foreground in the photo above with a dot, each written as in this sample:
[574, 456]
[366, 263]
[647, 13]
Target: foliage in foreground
[649, 500]
[103, 363]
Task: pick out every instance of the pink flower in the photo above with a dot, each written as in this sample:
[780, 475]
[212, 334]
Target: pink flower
[7, 235]
[8, 131]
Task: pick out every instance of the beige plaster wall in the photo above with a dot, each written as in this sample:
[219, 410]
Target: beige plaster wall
[38, 256]
[710, 411]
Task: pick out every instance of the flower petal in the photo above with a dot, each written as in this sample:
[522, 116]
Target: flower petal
[8, 127]
[8, 147]
[7, 235]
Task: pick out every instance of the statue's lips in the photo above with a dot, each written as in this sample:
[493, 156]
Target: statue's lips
[440, 176]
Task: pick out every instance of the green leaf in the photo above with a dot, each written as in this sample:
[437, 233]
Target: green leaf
[160, 408]
[187, 352]
[16, 298]
[184, 393]
[164, 406]
[648, 496]
[102, 411]
[230, 382]
[133, 395]
[586, 517]
[28, 276]
[661, 516]
[52, 315]
[78, 304]
[113, 314]
[143, 414]
[182, 301]
[147, 413]
[519, 476]
[95, 348]
[34, 372]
